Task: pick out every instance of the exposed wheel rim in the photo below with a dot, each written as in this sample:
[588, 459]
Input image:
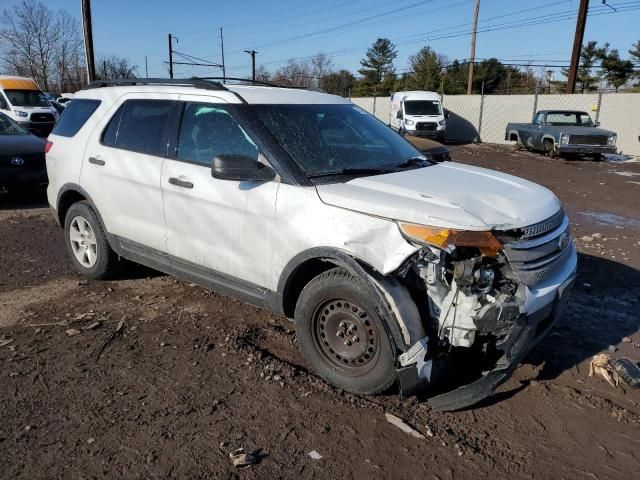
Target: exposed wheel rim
[83, 242]
[346, 336]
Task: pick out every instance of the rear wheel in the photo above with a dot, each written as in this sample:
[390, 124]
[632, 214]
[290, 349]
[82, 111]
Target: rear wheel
[87, 243]
[342, 336]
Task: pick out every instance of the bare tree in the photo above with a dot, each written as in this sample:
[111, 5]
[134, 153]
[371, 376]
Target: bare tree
[115, 66]
[262, 74]
[304, 72]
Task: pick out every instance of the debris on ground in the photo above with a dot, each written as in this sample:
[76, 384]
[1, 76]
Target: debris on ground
[5, 342]
[599, 367]
[72, 332]
[626, 340]
[92, 326]
[241, 459]
[627, 369]
[315, 455]
[402, 425]
[117, 333]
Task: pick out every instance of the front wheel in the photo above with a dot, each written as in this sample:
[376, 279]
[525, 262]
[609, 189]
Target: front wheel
[549, 148]
[341, 334]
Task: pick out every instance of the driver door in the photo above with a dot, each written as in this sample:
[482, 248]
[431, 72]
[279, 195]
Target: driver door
[219, 228]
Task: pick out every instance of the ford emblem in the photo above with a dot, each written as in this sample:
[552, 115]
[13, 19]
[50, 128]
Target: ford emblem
[17, 161]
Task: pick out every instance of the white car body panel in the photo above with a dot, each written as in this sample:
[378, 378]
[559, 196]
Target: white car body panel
[448, 195]
[126, 189]
[306, 222]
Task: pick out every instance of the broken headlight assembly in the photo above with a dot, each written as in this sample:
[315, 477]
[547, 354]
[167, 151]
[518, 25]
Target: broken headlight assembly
[444, 238]
[470, 286]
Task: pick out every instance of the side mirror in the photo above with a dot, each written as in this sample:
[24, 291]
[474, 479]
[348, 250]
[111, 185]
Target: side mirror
[446, 114]
[240, 168]
[597, 124]
[399, 114]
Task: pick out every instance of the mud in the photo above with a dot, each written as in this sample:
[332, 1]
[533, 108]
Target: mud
[193, 375]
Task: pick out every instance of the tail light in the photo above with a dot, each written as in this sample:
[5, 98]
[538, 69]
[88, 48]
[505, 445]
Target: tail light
[48, 146]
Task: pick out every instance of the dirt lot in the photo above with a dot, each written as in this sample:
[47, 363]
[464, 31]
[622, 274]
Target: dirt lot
[193, 374]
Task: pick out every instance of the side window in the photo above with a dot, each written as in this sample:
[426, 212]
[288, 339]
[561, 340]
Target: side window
[209, 130]
[539, 119]
[75, 116]
[3, 103]
[140, 126]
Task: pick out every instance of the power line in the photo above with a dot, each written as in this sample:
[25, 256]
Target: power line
[427, 36]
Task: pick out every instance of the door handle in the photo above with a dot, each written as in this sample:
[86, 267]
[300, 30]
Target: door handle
[180, 183]
[96, 161]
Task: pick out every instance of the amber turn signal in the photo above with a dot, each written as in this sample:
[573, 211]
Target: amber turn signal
[443, 237]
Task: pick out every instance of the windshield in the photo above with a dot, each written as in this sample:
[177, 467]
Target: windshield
[575, 119]
[422, 107]
[27, 98]
[326, 139]
[9, 127]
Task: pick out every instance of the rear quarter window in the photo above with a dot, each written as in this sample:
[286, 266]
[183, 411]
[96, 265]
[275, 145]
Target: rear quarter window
[73, 117]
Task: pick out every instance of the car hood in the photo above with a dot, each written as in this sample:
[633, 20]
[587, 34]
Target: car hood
[448, 195]
[21, 144]
[573, 130]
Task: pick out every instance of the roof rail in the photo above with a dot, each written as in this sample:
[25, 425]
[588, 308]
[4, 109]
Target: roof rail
[184, 82]
[264, 84]
[235, 79]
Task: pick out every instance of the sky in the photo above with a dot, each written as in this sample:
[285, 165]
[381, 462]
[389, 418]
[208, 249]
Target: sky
[518, 31]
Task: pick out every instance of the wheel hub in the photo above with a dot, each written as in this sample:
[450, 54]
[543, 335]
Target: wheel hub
[346, 335]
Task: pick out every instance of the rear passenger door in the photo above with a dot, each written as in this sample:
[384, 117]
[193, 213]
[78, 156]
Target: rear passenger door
[216, 226]
[122, 167]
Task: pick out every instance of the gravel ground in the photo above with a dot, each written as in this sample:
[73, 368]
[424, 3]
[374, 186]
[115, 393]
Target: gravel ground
[193, 375]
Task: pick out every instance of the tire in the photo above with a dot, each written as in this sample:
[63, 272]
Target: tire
[341, 335]
[548, 147]
[87, 244]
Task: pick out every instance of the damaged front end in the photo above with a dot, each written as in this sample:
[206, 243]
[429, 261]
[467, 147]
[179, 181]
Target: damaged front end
[481, 304]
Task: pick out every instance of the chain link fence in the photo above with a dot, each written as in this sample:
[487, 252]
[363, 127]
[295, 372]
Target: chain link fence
[483, 118]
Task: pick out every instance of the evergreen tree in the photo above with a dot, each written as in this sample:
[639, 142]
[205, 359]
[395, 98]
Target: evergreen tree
[377, 68]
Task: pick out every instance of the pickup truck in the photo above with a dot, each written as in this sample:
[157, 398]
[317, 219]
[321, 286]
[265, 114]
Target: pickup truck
[563, 132]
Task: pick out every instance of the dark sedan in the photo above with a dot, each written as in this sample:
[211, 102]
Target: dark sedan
[22, 160]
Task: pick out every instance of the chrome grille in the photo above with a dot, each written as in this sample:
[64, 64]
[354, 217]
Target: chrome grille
[588, 139]
[544, 226]
[533, 260]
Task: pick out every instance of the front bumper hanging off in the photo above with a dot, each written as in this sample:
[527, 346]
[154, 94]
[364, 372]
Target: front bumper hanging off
[523, 336]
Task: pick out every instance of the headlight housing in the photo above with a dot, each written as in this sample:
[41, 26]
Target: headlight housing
[612, 140]
[564, 139]
[21, 114]
[408, 121]
[444, 237]
[442, 123]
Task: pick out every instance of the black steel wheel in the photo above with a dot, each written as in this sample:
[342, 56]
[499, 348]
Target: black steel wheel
[341, 334]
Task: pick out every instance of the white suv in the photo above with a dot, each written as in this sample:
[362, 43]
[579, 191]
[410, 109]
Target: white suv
[304, 204]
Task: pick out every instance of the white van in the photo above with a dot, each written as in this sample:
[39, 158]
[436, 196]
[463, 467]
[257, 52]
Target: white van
[23, 101]
[418, 113]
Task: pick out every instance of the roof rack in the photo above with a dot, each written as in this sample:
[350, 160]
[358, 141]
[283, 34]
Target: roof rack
[184, 82]
[235, 79]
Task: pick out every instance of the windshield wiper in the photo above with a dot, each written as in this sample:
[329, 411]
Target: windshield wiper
[413, 161]
[353, 171]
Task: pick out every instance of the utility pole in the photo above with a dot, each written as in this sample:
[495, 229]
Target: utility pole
[224, 72]
[253, 63]
[472, 58]
[577, 45]
[146, 67]
[88, 40]
[171, 37]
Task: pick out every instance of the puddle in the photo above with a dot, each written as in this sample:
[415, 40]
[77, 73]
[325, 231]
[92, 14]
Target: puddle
[621, 158]
[611, 219]
[624, 173]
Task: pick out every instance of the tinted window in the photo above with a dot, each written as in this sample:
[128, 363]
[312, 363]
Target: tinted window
[209, 130]
[141, 126]
[9, 127]
[74, 117]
